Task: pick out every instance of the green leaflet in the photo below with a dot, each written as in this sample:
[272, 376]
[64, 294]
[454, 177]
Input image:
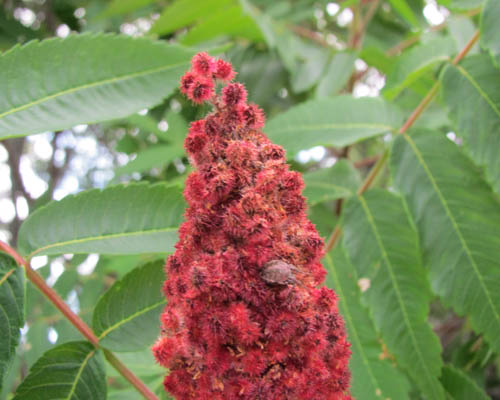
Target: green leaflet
[127, 316]
[372, 377]
[181, 13]
[340, 180]
[387, 254]
[490, 30]
[458, 219]
[11, 311]
[121, 219]
[336, 75]
[472, 92]
[459, 386]
[71, 371]
[337, 121]
[103, 76]
[415, 62]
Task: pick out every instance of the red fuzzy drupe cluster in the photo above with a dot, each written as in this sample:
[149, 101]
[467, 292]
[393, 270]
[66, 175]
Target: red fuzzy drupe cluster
[245, 318]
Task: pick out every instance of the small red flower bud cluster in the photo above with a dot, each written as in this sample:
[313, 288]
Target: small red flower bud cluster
[245, 318]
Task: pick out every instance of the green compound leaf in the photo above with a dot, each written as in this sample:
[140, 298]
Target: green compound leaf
[472, 92]
[127, 316]
[83, 79]
[387, 254]
[459, 386]
[121, 219]
[11, 311]
[372, 377]
[458, 218]
[341, 180]
[72, 371]
[490, 30]
[337, 121]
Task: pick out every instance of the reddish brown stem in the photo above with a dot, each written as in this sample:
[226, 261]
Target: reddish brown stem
[366, 162]
[51, 294]
[335, 236]
[373, 173]
[77, 322]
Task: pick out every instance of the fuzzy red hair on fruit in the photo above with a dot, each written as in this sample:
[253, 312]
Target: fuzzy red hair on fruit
[233, 328]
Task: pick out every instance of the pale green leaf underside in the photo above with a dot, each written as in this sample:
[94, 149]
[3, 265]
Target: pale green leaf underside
[399, 293]
[83, 79]
[127, 317]
[459, 386]
[372, 377]
[472, 92]
[11, 311]
[340, 180]
[337, 121]
[458, 218]
[122, 219]
[72, 371]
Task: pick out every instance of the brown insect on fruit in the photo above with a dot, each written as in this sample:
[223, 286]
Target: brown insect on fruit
[277, 272]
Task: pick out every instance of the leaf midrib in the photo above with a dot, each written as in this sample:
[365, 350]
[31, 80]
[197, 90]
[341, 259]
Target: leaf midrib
[130, 318]
[90, 85]
[100, 237]
[454, 224]
[371, 221]
[6, 276]
[80, 371]
[481, 92]
[348, 316]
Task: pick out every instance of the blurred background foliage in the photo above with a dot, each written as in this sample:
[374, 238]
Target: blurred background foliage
[286, 52]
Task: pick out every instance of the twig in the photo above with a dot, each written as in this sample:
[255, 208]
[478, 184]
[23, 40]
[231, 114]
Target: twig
[366, 162]
[310, 34]
[334, 237]
[77, 322]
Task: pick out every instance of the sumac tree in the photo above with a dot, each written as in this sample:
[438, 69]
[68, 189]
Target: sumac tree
[375, 177]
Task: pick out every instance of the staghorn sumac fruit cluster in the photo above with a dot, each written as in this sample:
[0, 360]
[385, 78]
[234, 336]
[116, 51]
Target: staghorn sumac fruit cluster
[245, 318]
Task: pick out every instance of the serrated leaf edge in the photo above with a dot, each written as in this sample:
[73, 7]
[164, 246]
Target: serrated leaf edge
[371, 221]
[348, 316]
[453, 222]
